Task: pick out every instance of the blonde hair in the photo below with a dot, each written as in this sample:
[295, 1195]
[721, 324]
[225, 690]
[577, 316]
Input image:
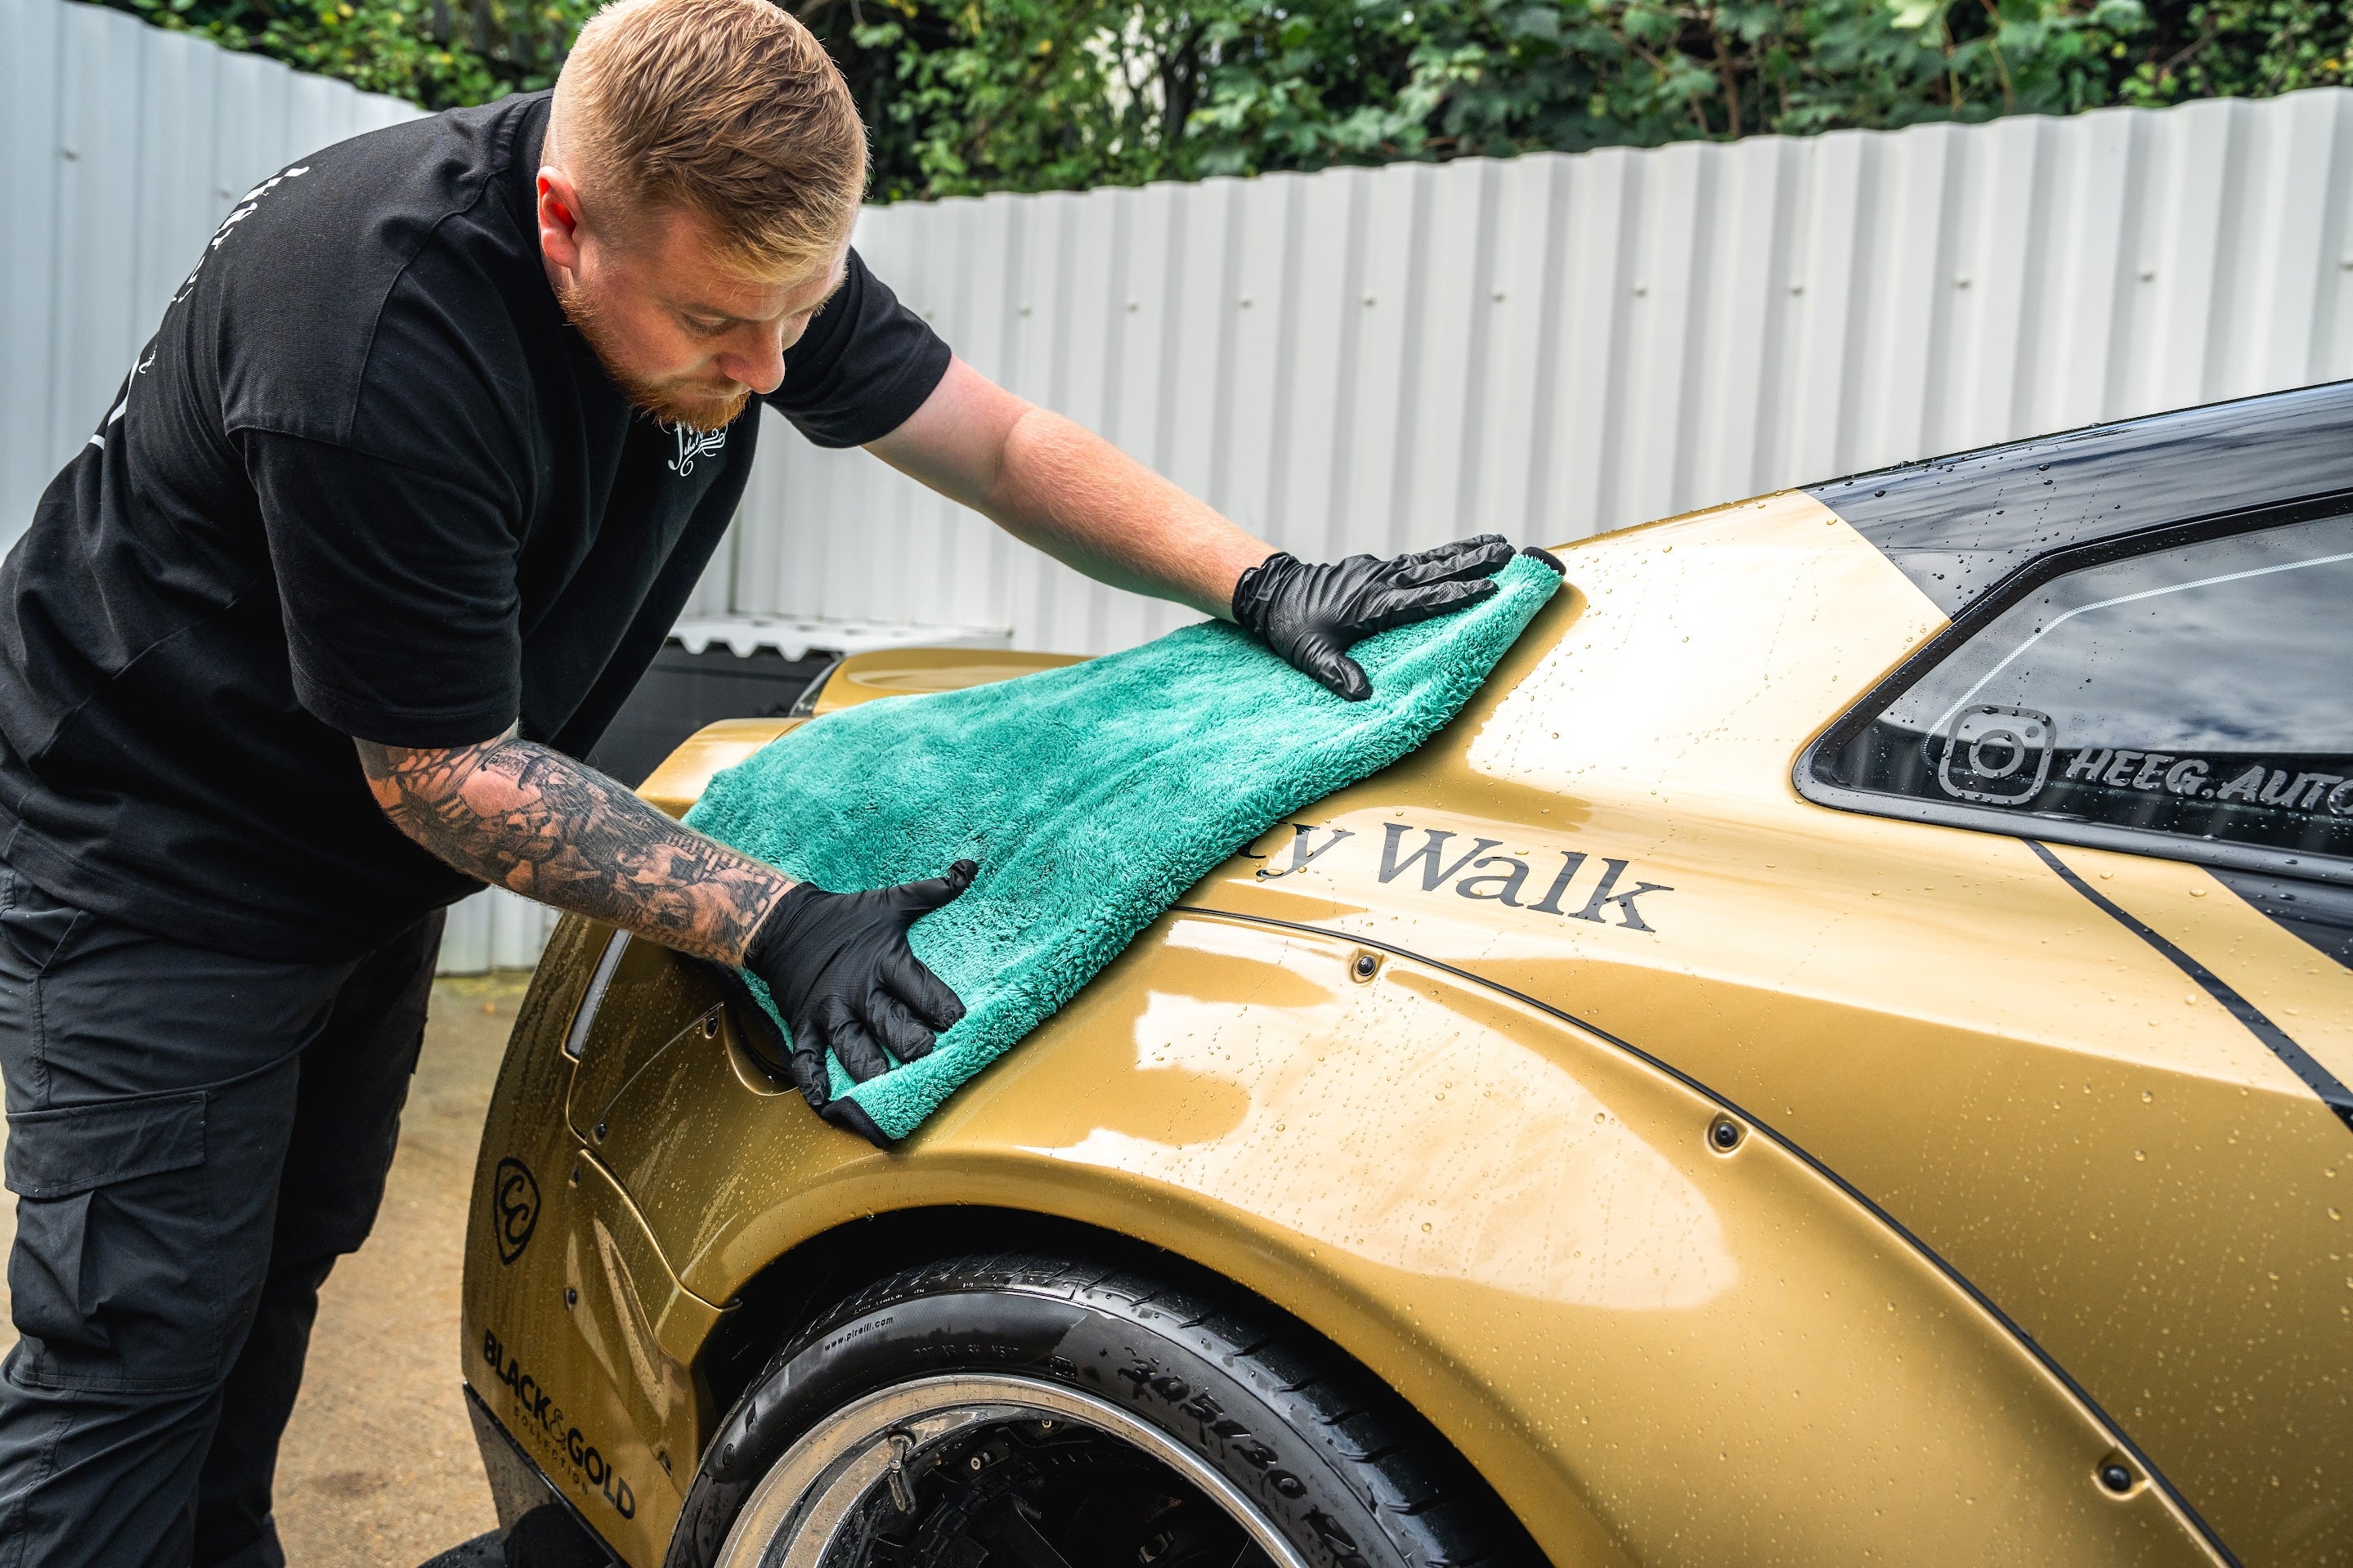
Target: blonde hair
[727, 109]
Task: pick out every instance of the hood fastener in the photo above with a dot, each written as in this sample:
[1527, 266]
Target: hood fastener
[1723, 1134]
[2117, 1477]
[1364, 968]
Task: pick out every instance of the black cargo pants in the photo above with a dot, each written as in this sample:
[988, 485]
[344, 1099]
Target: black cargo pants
[193, 1140]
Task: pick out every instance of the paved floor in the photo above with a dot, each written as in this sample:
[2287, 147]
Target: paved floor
[379, 1468]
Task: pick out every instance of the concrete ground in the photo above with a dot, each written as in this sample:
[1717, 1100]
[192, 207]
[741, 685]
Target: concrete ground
[378, 1469]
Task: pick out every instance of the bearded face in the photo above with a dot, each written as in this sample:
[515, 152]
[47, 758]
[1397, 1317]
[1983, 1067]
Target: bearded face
[679, 329]
[697, 401]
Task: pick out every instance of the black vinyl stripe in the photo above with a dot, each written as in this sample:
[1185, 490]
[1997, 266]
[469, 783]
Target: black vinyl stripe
[1936, 1260]
[2278, 1041]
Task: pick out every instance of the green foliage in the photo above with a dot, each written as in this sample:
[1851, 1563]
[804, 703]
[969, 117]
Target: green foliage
[421, 50]
[2241, 49]
[1045, 94]
[966, 96]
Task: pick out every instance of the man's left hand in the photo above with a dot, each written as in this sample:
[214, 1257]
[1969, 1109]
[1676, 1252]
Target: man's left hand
[1313, 615]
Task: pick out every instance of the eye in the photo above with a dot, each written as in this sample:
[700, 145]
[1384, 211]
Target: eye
[703, 327]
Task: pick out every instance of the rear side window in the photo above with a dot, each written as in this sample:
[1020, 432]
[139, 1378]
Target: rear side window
[2202, 694]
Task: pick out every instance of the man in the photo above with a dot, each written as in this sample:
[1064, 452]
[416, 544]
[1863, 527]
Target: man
[386, 520]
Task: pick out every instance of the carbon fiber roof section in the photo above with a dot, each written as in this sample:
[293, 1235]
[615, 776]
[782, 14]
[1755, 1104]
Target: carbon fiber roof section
[1959, 525]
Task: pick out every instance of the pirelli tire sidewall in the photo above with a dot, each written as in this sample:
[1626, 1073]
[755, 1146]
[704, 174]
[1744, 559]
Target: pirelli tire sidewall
[1291, 1435]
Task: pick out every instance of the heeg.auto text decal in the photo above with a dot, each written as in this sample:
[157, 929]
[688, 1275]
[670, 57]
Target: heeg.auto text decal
[1995, 755]
[2239, 780]
[552, 1435]
[1568, 883]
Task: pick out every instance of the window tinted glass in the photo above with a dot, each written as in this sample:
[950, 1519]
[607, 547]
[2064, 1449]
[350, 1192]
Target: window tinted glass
[2205, 692]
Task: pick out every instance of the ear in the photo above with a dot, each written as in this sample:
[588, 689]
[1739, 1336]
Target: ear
[559, 219]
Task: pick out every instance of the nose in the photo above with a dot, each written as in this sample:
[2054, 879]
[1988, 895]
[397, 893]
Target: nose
[758, 360]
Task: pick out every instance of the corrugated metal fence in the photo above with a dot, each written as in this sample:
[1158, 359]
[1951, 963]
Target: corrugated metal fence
[121, 146]
[1556, 345]
[1355, 359]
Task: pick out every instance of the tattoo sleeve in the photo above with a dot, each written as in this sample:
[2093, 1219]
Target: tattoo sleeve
[520, 816]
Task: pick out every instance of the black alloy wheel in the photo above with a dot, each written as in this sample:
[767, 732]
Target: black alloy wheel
[1027, 1412]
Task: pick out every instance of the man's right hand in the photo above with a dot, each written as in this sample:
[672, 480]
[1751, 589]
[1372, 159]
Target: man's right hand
[1312, 614]
[844, 977]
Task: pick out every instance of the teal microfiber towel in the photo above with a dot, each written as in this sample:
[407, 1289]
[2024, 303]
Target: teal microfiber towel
[1091, 796]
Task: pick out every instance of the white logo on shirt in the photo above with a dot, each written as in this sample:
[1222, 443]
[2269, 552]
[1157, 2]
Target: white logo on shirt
[248, 204]
[694, 444]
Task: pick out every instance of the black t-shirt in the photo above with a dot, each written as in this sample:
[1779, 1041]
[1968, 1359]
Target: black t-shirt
[366, 480]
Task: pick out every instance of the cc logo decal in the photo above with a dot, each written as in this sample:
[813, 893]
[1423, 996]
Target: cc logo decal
[514, 1208]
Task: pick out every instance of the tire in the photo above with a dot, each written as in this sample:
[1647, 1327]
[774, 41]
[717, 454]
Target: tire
[1102, 1414]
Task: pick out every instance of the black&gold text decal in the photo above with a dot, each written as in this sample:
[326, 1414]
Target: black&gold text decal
[558, 1441]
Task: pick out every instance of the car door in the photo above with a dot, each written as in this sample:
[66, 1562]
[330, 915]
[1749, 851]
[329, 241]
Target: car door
[2168, 729]
[2171, 729]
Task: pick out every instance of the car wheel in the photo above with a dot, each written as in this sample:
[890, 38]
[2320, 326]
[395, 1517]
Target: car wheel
[1046, 1414]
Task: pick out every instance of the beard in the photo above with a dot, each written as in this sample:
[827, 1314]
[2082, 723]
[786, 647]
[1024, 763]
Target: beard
[697, 404]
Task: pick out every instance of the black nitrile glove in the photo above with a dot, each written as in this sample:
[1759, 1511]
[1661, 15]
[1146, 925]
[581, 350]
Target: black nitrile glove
[845, 979]
[1313, 615]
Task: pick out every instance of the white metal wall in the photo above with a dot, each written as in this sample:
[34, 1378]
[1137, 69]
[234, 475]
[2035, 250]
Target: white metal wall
[494, 930]
[121, 146]
[1554, 345]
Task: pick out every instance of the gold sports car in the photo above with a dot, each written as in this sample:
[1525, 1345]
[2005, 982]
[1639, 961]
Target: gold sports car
[1837, 1056]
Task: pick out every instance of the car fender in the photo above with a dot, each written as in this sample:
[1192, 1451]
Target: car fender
[1657, 1328]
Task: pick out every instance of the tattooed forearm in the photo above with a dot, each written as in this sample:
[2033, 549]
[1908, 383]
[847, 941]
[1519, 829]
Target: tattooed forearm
[516, 814]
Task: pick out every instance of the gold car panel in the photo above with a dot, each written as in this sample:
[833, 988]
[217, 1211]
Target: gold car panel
[1601, 1314]
[1525, 1229]
[2306, 992]
[2094, 1141]
[685, 774]
[912, 671]
[646, 999]
[577, 1335]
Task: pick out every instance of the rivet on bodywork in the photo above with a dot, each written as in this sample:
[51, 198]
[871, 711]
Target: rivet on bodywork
[599, 1132]
[571, 1297]
[1364, 968]
[711, 1024]
[2116, 1476]
[1723, 1134]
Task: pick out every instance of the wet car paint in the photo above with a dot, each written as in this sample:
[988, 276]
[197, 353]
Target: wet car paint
[1929, 1015]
